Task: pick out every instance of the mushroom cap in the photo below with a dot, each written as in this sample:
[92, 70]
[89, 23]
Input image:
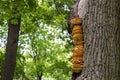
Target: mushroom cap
[75, 21]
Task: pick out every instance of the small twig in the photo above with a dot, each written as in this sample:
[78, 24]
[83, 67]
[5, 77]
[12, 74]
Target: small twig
[20, 61]
[56, 7]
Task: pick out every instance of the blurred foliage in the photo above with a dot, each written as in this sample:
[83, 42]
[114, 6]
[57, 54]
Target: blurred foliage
[45, 46]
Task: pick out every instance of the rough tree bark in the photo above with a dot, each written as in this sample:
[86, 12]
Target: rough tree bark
[101, 27]
[11, 48]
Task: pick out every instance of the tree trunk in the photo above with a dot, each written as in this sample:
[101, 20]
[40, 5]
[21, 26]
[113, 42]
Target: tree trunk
[101, 27]
[11, 50]
[12, 45]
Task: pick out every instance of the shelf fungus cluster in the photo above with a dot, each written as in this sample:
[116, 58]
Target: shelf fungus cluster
[77, 35]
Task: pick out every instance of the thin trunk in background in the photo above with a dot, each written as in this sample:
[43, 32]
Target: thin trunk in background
[11, 48]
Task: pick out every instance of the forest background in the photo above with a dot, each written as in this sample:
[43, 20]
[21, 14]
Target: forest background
[44, 47]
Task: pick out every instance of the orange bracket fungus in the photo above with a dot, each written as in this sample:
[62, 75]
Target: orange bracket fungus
[77, 35]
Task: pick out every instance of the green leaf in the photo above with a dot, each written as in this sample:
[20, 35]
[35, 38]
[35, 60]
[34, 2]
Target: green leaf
[14, 21]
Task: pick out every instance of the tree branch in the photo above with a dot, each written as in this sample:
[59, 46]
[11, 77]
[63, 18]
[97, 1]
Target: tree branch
[57, 7]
